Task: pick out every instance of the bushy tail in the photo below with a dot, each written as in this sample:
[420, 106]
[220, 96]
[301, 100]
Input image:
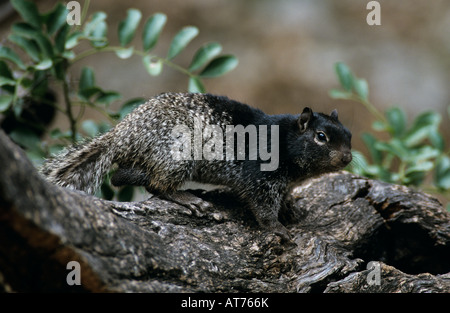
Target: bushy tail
[81, 166]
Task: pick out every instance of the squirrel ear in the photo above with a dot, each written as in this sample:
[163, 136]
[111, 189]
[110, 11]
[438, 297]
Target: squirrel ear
[304, 119]
[334, 114]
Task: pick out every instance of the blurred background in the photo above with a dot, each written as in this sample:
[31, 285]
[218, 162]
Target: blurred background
[287, 50]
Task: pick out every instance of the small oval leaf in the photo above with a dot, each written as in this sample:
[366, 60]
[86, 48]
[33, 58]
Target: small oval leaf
[397, 121]
[129, 106]
[28, 45]
[153, 67]
[72, 40]
[220, 66]
[57, 18]
[128, 26]
[361, 88]
[94, 20]
[106, 97]
[340, 94]
[5, 102]
[196, 85]
[29, 12]
[4, 81]
[206, 53]
[87, 80]
[181, 40]
[345, 75]
[98, 36]
[442, 173]
[125, 53]
[44, 65]
[7, 53]
[152, 30]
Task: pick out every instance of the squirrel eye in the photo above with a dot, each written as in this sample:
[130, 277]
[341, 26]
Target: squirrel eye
[321, 136]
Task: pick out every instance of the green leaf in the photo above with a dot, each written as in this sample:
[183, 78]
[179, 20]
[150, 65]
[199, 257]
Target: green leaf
[96, 30]
[414, 178]
[370, 141]
[181, 40]
[153, 67]
[27, 31]
[25, 137]
[125, 194]
[90, 128]
[27, 45]
[420, 167]
[44, 65]
[129, 106]
[442, 173]
[205, 54]
[56, 19]
[87, 79]
[380, 126]
[96, 19]
[219, 66]
[423, 125]
[5, 102]
[5, 71]
[86, 85]
[394, 146]
[125, 53]
[422, 154]
[73, 40]
[7, 53]
[196, 85]
[152, 29]
[28, 11]
[340, 94]
[436, 139]
[106, 97]
[361, 88]
[98, 36]
[107, 192]
[4, 81]
[345, 76]
[397, 120]
[128, 26]
[60, 38]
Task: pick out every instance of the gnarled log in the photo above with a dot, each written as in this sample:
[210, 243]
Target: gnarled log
[340, 222]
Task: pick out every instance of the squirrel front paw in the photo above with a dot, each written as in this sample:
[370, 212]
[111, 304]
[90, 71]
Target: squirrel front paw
[196, 205]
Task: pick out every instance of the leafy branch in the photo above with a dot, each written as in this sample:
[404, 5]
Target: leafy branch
[42, 49]
[411, 153]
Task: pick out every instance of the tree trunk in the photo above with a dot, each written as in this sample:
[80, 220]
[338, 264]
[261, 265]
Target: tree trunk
[339, 224]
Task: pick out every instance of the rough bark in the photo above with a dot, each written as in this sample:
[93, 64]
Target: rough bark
[340, 222]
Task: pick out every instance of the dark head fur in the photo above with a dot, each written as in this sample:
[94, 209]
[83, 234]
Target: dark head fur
[321, 144]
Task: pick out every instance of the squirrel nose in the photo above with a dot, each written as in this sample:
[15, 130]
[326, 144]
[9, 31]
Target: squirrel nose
[346, 157]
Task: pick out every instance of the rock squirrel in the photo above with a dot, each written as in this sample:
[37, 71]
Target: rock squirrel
[150, 148]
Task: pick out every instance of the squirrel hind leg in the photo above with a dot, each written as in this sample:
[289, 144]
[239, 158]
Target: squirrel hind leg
[164, 181]
[130, 177]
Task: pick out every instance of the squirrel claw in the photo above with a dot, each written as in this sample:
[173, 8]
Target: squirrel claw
[197, 205]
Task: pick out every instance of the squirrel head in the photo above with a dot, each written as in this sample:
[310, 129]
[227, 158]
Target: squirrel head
[322, 144]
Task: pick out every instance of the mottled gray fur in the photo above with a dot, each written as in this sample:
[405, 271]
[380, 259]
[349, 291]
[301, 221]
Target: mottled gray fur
[140, 147]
